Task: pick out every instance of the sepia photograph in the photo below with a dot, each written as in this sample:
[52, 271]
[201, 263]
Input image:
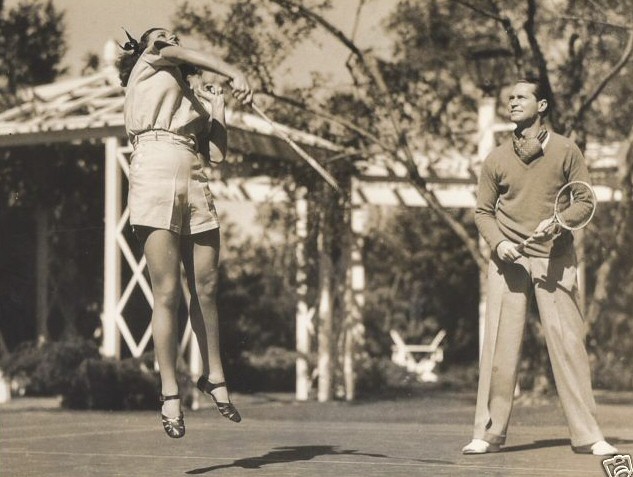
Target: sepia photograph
[316, 238]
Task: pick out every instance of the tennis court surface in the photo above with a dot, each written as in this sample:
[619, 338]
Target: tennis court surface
[408, 436]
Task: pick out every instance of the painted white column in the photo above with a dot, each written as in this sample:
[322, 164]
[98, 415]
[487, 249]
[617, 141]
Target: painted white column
[355, 331]
[325, 314]
[486, 114]
[304, 313]
[112, 257]
[486, 143]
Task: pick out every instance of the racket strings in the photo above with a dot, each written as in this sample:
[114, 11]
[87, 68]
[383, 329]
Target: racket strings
[575, 205]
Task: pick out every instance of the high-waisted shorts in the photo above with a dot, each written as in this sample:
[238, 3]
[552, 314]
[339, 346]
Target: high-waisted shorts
[168, 187]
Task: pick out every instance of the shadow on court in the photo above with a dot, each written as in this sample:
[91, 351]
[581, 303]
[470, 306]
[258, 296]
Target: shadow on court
[544, 443]
[416, 437]
[285, 455]
[539, 444]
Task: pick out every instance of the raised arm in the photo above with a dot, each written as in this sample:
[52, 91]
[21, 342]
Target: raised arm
[212, 98]
[242, 90]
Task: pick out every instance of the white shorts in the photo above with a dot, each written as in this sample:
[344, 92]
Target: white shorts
[168, 187]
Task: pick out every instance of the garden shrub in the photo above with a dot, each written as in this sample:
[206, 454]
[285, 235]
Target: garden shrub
[129, 384]
[47, 369]
[375, 376]
[611, 371]
[272, 370]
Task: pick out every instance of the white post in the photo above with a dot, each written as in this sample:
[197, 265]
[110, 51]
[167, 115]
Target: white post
[355, 329]
[325, 316]
[112, 257]
[303, 312]
[486, 114]
[485, 121]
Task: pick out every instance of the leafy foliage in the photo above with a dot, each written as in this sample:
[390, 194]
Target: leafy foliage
[128, 384]
[260, 33]
[611, 335]
[65, 183]
[48, 368]
[32, 45]
[415, 290]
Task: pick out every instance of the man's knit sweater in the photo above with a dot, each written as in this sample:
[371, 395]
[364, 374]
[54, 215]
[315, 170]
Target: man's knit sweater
[514, 196]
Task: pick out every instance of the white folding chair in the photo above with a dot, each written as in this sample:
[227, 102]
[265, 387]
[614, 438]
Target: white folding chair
[403, 355]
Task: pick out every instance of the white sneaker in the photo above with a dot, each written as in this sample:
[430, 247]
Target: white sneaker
[602, 448]
[479, 446]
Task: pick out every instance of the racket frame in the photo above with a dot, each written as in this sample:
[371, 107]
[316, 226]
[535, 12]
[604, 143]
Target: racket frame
[556, 220]
[593, 209]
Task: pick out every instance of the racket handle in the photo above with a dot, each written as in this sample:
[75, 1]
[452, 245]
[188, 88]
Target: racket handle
[304, 155]
[530, 239]
[525, 243]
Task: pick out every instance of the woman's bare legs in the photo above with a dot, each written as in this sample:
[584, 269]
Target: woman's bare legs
[200, 256]
[162, 251]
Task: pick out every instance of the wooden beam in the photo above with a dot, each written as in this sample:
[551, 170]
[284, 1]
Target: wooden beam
[64, 135]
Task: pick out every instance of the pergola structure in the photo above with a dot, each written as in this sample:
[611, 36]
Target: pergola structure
[91, 108]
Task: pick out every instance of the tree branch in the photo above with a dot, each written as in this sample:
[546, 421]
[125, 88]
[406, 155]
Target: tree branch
[307, 13]
[505, 22]
[331, 118]
[359, 9]
[597, 22]
[370, 65]
[530, 29]
[494, 15]
[624, 59]
[472, 245]
[513, 37]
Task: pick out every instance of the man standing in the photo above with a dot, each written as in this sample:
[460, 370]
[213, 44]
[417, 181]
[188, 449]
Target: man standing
[517, 187]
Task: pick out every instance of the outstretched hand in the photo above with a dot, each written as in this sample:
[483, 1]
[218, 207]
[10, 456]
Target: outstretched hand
[242, 90]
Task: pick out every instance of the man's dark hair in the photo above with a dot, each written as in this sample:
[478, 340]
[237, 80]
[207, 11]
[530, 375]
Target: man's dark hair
[540, 91]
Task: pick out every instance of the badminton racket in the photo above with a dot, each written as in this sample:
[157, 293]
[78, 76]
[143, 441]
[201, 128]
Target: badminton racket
[295, 147]
[574, 207]
[312, 162]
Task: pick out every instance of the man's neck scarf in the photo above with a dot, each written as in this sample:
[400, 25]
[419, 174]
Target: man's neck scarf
[529, 148]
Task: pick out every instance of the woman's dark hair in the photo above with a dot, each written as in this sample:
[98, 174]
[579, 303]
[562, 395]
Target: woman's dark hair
[133, 51]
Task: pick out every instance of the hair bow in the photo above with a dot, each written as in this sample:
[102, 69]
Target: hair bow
[131, 45]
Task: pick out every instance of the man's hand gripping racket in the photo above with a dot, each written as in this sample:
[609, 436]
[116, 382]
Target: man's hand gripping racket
[574, 207]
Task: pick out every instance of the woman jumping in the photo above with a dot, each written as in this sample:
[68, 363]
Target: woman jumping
[171, 207]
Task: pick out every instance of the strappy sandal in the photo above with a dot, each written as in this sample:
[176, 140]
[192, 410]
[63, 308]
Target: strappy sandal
[227, 409]
[174, 426]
